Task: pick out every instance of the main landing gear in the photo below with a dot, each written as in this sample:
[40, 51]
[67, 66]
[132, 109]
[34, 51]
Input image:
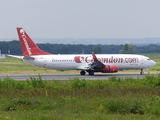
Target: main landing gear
[142, 73]
[89, 72]
[82, 72]
[92, 73]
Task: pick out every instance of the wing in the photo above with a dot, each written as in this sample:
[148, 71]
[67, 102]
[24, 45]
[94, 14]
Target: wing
[98, 66]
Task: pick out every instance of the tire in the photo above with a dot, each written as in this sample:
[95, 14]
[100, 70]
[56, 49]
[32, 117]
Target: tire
[82, 72]
[91, 73]
[142, 73]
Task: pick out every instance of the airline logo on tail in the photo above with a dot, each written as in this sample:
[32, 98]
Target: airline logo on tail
[22, 32]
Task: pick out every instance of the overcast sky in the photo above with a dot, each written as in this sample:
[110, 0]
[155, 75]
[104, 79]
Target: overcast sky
[80, 18]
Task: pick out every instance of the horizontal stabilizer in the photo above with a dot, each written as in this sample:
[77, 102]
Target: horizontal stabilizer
[20, 57]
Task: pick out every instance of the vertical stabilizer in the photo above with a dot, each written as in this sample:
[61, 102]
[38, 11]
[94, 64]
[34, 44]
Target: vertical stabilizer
[28, 47]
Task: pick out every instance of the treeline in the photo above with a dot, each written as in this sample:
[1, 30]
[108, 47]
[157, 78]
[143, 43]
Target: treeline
[14, 48]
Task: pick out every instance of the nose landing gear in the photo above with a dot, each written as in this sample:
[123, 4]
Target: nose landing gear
[142, 73]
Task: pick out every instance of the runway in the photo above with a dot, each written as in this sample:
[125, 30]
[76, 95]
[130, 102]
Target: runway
[71, 76]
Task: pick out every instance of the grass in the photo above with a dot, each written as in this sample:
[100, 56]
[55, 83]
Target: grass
[116, 98]
[112, 99]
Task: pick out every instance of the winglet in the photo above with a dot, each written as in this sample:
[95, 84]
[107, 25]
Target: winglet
[94, 57]
[28, 47]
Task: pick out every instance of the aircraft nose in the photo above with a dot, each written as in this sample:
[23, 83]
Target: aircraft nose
[153, 63]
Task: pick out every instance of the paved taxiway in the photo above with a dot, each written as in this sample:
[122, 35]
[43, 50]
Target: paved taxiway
[70, 76]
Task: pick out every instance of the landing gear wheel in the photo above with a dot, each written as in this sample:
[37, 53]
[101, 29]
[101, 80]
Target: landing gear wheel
[82, 72]
[91, 73]
[142, 73]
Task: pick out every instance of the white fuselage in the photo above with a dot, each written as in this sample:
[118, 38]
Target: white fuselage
[81, 61]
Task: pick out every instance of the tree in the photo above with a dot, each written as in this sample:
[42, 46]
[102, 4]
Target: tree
[128, 49]
[96, 49]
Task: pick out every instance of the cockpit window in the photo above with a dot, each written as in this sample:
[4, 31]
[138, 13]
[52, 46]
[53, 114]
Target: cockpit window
[148, 59]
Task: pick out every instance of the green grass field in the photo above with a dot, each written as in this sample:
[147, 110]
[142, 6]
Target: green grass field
[113, 99]
[75, 99]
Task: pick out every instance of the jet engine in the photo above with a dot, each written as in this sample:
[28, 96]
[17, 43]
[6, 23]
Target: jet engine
[109, 69]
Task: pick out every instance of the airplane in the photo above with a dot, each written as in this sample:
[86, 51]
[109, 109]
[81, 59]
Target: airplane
[91, 63]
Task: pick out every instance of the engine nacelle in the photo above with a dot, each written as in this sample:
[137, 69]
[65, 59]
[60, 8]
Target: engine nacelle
[109, 69]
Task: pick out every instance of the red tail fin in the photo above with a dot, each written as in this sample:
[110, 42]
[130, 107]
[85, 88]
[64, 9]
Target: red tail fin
[28, 47]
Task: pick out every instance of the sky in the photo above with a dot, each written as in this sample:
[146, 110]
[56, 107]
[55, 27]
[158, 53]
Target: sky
[80, 18]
